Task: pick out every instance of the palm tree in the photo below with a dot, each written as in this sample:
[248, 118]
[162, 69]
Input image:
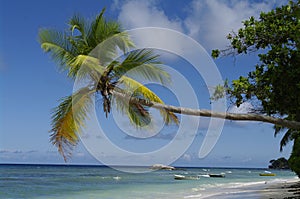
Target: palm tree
[72, 48]
[289, 134]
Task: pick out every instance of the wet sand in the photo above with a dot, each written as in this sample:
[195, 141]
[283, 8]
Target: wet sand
[283, 190]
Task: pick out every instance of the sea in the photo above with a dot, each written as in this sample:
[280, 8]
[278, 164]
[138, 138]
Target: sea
[101, 182]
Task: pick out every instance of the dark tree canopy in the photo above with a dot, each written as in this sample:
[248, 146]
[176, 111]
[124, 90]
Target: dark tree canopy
[275, 82]
[294, 160]
[280, 163]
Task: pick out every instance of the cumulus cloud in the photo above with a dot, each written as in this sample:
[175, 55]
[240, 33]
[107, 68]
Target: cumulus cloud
[136, 14]
[207, 21]
[140, 14]
[245, 107]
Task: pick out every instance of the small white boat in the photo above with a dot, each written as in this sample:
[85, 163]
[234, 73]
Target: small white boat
[117, 178]
[182, 177]
[179, 177]
[205, 175]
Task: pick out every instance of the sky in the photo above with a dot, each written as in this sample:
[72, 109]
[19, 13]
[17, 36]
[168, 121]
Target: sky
[31, 84]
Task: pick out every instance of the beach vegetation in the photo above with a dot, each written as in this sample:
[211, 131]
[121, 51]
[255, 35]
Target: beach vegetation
[280, 163]
[274, 84]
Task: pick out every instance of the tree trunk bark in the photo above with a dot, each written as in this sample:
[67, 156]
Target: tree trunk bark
[207, 113]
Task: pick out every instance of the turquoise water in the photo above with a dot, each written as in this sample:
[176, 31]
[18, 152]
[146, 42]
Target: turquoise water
[45, 181]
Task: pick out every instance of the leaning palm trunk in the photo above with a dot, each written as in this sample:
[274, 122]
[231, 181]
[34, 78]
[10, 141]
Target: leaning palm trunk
[73, 48]
[208, 113]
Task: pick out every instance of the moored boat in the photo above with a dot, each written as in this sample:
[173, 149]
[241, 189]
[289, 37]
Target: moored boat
[182, 177]
[221, 175]
[267, 174]
[179, 177]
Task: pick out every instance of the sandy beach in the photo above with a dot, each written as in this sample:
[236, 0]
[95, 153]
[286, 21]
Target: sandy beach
[282, 190]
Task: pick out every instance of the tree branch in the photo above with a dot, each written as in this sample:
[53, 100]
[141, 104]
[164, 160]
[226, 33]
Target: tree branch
[208, 113]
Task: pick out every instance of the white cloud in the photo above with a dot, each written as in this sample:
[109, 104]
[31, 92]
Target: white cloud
[136, 14]
[140, 14]
[207, 21]
[245, 107]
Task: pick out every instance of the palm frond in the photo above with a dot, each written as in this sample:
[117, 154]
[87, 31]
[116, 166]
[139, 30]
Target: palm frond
[110, 32]
[100, 29]
[285, 139]
[123, 42]
[107, 50]
[137, 114]
[68, 119]
[95, 45]
[79, 39]
[288, 136]
[139, 90]
[278, 130]
[146, 64]
[132, 86]
[79, 23]
[83, 65]
[58, 45]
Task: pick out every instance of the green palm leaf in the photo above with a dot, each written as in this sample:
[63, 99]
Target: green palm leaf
[58, 45]
[146, 64]
[83, 65]
[68, 119]
[137, 114]
[101, 30]
[79, 23]
[139, 90]
[288, 136]
[89, 49]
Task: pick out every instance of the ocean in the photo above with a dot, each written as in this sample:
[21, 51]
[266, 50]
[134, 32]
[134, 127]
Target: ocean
[100, 182]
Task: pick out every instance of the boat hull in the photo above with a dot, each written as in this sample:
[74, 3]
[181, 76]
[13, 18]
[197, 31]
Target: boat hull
[267, 174]
[217, 175]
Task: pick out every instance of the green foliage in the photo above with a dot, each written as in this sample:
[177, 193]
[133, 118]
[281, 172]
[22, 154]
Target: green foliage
[294, 160]
[73, 48]
[215, 53]
[67, 120]
[275, 82]
[280, 163]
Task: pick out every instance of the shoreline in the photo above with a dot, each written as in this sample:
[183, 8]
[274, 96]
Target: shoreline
[278, 189]
[289, 189]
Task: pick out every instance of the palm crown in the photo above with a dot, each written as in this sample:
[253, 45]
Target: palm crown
[73, 48]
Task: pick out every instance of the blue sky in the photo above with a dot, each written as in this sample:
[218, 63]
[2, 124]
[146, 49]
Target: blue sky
[30, 84]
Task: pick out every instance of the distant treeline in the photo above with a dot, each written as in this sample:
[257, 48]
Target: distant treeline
[280, 163]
